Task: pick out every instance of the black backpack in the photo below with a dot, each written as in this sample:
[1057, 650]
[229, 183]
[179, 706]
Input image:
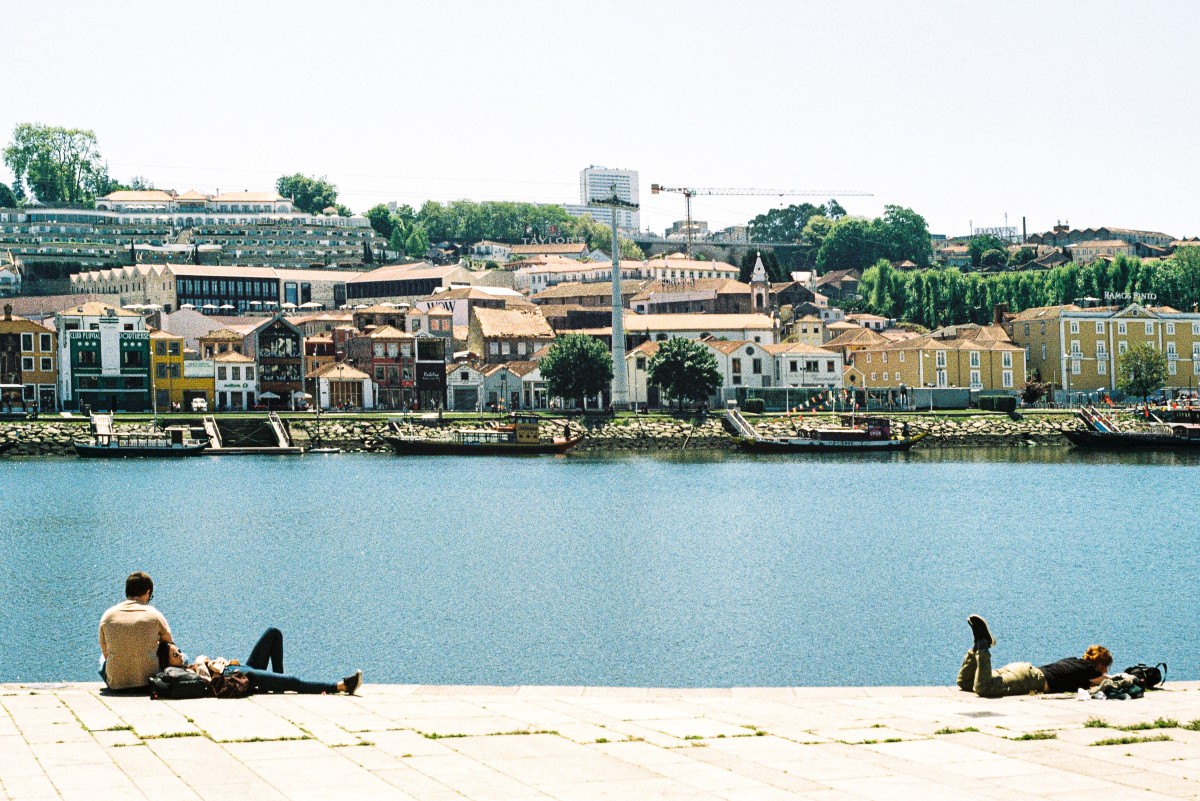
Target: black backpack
[177, 684]
[1148, 677]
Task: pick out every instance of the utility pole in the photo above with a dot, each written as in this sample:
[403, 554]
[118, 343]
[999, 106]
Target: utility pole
[620, 382]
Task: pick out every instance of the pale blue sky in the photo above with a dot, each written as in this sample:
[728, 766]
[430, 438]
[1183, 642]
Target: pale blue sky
[1081, 111]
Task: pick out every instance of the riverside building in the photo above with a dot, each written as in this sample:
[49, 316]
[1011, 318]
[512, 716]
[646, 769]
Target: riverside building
[104, 359]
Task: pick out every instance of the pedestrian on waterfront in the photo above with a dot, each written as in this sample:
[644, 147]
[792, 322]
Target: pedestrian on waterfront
[130, 633]
[266, 653]
[1021, 678]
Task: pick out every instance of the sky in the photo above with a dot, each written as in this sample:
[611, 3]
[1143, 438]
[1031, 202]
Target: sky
[1079, 112]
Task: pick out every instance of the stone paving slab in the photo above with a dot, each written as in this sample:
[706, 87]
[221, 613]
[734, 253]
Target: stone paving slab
[426, 743]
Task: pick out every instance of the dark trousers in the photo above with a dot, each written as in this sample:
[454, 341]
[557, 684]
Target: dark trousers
[268, 651]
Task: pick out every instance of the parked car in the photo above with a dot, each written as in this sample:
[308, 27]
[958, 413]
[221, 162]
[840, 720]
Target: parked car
[199, 405]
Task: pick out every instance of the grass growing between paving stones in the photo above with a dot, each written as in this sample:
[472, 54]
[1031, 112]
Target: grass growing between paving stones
[1036, 735]
[171, 735]
[1158, 738]
[949, 730]
[1157, 723]
[265, 739]
[433, 735]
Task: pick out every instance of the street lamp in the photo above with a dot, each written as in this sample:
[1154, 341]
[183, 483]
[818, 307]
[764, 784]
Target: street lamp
[620, 384]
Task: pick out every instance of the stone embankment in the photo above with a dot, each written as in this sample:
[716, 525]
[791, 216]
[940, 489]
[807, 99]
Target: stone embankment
[648, 433]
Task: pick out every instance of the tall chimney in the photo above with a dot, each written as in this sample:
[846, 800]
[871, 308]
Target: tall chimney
[8, 311]
[999, 310]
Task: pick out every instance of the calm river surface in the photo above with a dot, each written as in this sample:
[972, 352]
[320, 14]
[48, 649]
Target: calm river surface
[706, 570]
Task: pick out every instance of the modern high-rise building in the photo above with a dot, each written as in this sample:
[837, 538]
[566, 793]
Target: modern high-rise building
[596, 182]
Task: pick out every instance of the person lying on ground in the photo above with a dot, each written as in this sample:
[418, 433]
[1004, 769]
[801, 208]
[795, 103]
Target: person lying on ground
[130, 632]
[267, 652]
[1021, 678]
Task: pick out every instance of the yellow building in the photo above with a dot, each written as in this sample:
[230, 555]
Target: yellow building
[28, 364]
[809, 329]
[980, 359]
[177, 382]
[1079, 350]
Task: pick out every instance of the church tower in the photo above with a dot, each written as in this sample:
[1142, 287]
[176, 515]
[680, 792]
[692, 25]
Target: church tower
[760, 288]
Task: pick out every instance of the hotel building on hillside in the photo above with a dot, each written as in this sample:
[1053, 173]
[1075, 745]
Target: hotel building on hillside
[1079, 349]
[979, 359]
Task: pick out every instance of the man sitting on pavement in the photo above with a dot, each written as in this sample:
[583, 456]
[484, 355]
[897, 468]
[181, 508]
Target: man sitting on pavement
[129, 636]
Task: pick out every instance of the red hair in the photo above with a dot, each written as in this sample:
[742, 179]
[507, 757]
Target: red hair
[1098, 655]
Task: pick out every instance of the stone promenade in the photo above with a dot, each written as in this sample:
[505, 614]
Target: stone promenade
[489, 743]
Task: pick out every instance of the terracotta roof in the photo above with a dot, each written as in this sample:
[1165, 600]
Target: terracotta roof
[440, 311]
[522, 368]
[232, 356]
[1043, 312]
[513, 322]
[339, 371]
[136, 196]
[405, 272]
[576, 289]
[389, 332]
[857, 336]
[158, 333]
[1101, 243]
[697, 322]
[797, 347]
[718, 286]
[378, 308]
[94, 309]
[726, 346]
[648, 348]
[222, 333]
[518, 250]
[248, 197]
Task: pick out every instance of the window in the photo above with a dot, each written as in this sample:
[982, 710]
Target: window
[1121, 327]
[1196, 329]
[941, 358]
[235, 373]
[868, 358]
[1171, 329]
[1076, 366]
[505, 348]
[45, 343]
[47, 364]
[901, 356]
[639, 363]
[160, 371]
[976, 383]
[27, 343]
[131, 358]
[1006, 359]
[736, 365]
[1043, 328]
[1172, 355]
[1099, 326]
[1006, 379]
[27, 363]
[1172, 367]
[883, 357]
[975, 358]
[87, 358]
[792, 366]
[872, 376]
[1101, 367]
[1149, 329]
[1122, 347]
[222, 373]
[173, 348]
[829, 367]
[249, 373]
[1074, 326]
[379, 349]
[160, 348]
[1026, 329]
[494, 348]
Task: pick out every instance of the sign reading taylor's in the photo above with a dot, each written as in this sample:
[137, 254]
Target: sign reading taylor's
[552, 235]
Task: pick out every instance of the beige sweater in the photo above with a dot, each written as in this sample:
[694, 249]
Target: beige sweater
[129, 636]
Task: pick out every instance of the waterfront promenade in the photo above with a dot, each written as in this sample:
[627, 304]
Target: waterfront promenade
[68, 741]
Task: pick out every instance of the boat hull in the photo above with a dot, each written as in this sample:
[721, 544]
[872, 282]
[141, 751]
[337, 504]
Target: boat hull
[1131, 440]
[796, 445]
[405, 446]
[90, 451]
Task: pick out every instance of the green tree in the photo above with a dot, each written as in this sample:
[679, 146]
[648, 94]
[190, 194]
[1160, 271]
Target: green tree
[576, 367]
[310, 195]
[7, 199]
[1141, 370]
[993, 257]
[684, 369]
[784, 225]
[417, 242]
[851, 243]
[906, 235]
[58, 165]
[397, 238]
[381, 219]
[981, 244]
[775, 271]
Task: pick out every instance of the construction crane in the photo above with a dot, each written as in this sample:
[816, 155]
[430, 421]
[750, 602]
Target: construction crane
[690, 192]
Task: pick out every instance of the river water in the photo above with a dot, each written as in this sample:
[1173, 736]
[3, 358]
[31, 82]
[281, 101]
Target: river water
[697, 570]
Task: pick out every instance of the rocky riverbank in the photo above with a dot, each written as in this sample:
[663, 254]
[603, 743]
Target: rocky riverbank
[642, 433]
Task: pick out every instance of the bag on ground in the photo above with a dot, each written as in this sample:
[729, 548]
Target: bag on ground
[1148, 677]
[177, 684]
[231, 685]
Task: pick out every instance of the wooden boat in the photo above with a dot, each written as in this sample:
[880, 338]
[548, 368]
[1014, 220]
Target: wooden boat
[173, 442]
[866, 435]
[522, 438]
[1104, 433]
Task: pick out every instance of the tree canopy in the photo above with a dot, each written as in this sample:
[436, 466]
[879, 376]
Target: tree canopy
[7, 199]
[855, 242]
[1141, 370]
[576, 367]
[937, 297]
[684, 369]
[310, 194]
[56, 165]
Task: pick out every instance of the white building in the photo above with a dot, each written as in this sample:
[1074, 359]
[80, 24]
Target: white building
[537, 275]
[800, 364]
[235, 380]
[10, 282]
[757, 328]
[600, 182]
[464, 388]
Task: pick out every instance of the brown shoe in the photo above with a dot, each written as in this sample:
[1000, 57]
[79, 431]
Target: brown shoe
[983, 636]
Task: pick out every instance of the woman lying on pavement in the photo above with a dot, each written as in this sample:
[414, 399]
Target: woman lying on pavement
[267, 652]
[1021, 678]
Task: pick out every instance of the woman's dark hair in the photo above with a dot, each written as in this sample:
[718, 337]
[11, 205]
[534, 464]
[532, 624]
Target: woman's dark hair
[164, 655]
[138, 583]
